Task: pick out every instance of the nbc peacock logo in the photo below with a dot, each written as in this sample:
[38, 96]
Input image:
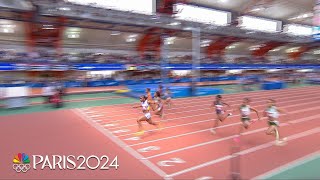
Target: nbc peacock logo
[21, 163]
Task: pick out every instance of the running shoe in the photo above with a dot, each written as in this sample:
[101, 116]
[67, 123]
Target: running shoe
[139, 133]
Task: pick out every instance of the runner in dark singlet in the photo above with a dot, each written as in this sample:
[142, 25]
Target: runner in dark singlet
[218, 104]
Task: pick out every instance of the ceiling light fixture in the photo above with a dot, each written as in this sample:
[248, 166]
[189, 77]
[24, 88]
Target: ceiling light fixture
[275, 50]
[257, 9]
[223, 1]
[231, 47]
[175, 24]
[302, 16]
[316, 52]
[64, 9]
[115, 33]
[133, 36]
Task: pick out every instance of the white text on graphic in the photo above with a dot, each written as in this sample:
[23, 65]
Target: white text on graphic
[71, 162]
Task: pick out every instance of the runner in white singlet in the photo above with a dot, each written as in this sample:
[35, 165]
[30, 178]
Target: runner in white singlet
[159, 104]
[146, 117]
[245, 112]
[272, 113]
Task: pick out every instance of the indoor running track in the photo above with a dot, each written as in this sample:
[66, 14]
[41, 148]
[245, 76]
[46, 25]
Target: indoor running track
[185, 148]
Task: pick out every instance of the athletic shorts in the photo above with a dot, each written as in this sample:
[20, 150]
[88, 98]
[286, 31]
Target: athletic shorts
[273, 123]
[244, 119]
[148, 115]
[219, 112]
[166, 97]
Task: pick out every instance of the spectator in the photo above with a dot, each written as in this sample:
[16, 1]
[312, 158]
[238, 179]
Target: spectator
[47, 93]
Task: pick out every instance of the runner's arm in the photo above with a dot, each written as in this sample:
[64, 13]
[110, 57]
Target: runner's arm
[136, 106]
[228, 106]
[265, 113]
[286, 113]
[282, 111]
[257, 112]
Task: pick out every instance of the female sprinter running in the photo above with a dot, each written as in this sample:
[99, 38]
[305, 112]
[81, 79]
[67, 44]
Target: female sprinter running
[149, 98]
[159, 104]
[220, 111]
[245, 111]
[146, 117]
[160, 90]
[272, 112]
[167, 97]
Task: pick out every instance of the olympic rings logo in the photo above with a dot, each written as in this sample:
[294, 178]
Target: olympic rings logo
[21, 167]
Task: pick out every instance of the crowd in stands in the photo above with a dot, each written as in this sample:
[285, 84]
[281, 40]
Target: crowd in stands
[107, 58]
[121, 76]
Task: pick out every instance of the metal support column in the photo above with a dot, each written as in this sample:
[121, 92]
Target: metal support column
[196, 38]
[164, 59]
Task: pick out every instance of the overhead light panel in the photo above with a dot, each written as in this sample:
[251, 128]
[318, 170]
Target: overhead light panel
[259, 24]
[316, 52]
[298, 30]
[136, 6]
[202, 15]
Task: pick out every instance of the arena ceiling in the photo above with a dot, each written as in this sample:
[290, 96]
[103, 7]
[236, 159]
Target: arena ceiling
[126, 37]
[294, 11]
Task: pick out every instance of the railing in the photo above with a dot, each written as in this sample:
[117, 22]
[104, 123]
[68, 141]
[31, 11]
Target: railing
[98, 67]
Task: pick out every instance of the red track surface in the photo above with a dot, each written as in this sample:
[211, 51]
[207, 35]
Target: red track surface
[184, 149]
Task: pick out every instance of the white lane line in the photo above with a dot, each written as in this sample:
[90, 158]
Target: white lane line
[110, 125]
[288, 166]
[210, 113]
[251, 94]
[97, 115]
[200, 102]
[171, 137]
[220, 127]
[91, 112]
[209, 97]
[227, 97]
[197, 122]
[120, 143]
[244, 152]
[230, 137]
[97, 120]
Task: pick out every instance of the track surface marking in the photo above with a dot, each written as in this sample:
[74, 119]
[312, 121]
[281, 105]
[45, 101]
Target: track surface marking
[185, 149]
